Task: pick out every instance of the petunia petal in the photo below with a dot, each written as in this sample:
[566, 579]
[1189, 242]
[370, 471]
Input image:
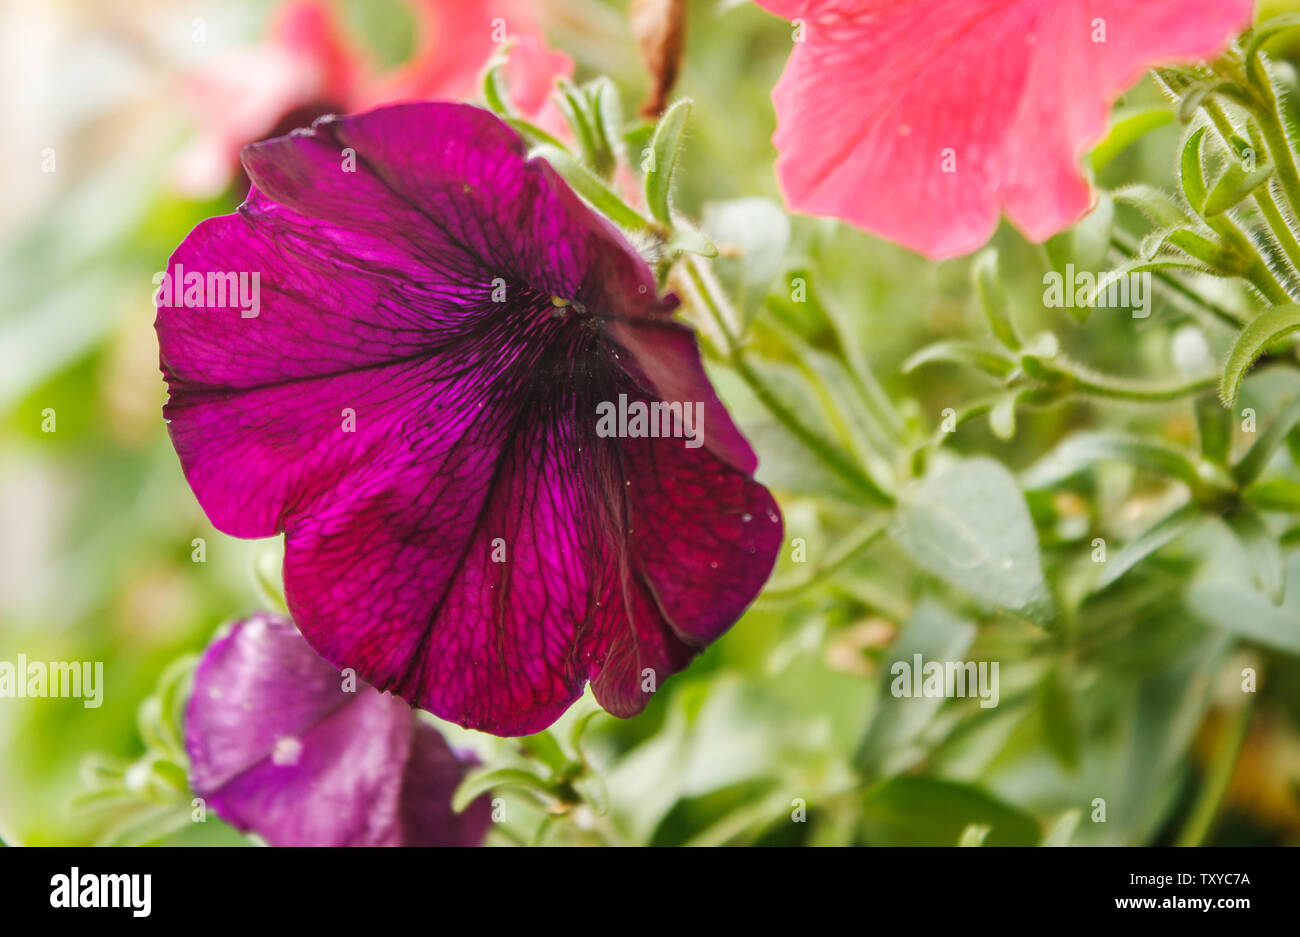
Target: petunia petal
[922, 121]
[433, 772]
[277, 746]
[416, 407]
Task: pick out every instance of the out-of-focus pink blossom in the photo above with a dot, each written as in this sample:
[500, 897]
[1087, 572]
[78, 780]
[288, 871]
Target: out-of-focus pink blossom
[308, 67]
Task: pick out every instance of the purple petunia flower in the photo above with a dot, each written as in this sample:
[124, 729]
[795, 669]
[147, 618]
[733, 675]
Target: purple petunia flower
[500, 469]
[279, 747]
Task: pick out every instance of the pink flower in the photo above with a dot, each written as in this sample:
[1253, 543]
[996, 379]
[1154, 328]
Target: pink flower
[923, 120]
[456, 40]
[307, 68]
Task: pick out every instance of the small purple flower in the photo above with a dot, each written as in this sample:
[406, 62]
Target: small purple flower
[454, 389]
[280, 748]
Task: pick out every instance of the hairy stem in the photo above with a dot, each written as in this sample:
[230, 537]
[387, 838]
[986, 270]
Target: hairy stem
[706, 291]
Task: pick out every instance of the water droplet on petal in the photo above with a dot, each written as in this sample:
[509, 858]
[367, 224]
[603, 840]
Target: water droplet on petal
[287, 750]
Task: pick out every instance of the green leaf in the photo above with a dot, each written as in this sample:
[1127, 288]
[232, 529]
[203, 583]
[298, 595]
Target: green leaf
[595, 116]
[573, 105]
[267, 582]
[485, 779]
[1002, 416]
[665, 151]
[599, 195]
[686, 240]
[583, 722]
[1223, 597]
[594, 792]
[1162, 532]
[1276, 494]
[155, 731]
[1211, 252]
[147, 827]
[1159, 207]
[974, 835]
[1195, 96]
[1235, 186]
[1125, 130]
[924, 811]
[1267, 566]
[752, 235]
[533, 134]
[755, 231]
[890, 743]
[993, 298]
[544, 747]
[1122, 272]
[1259, 455]
[969, 525]
[606, 110]
[1261, 332]
[1061, 832]
[1270, 29]
[1060, 718]
[495, 93]
[1214, 424]
[742, 825]
[957, 351]
[1086, 244]
[1084, 450]
[1191, 174]
[1162, 720]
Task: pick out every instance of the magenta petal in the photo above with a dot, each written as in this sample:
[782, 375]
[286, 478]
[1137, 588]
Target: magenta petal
[433, 772]
[415, 407]
[277, 747]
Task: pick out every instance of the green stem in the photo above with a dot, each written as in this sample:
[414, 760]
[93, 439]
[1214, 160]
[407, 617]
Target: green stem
[1276, 221]
[854, 418]
[707, 291]
[1270, 124]
[812, 441]
[1222, 765]
[1116, 388]
[1128, 247]
[842, 553]
[1264, 198]
[1259, 274]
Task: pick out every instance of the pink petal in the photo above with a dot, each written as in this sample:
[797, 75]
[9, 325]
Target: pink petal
[884, 96]
[278, 746]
